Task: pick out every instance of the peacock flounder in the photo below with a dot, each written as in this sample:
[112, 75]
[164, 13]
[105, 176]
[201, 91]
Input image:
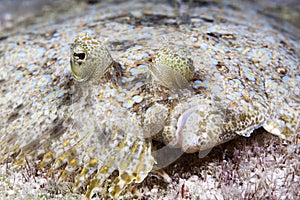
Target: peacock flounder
[213, 83]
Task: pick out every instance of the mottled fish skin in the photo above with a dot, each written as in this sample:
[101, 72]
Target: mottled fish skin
[172, 67]
[84, 66]
[125, 148]
[239, 80]
[86, 144]
[235, 101]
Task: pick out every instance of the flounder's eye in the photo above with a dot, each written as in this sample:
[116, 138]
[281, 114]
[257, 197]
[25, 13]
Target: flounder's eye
[79, 56]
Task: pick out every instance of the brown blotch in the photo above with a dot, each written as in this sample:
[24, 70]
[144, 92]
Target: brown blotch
[221, 67]
[281, 70]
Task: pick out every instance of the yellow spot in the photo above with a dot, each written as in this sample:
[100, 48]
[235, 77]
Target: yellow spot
[83, 172]
[63, 174]
[32, 153]
[75, 135]
[113, 191]
[48, 155]
[73, 162]
[64, 157]
[66, 143]
[287, 119]
[126, 177]
[138, 179]
[92, 163]
[92, 185]
[135, 146]
[273, 124]
[117, 180]
[202, 124]
[86, 38]
[41, 164]
[100, 96]
[122, 144]
[285, 131]
[95, 42]
[20, 162]
[103, 170]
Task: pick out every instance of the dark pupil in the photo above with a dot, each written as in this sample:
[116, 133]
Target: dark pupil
[81, 56]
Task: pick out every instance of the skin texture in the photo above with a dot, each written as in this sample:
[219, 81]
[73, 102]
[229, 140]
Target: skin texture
[217, 120]
[96, 140]
[84, 65]
[173, 67]
[215, 111]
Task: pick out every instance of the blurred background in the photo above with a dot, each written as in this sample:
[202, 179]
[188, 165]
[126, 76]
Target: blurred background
[13, 12]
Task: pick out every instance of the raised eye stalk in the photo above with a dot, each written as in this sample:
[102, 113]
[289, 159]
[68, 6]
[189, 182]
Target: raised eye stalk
[90, 59]
[172, 67]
